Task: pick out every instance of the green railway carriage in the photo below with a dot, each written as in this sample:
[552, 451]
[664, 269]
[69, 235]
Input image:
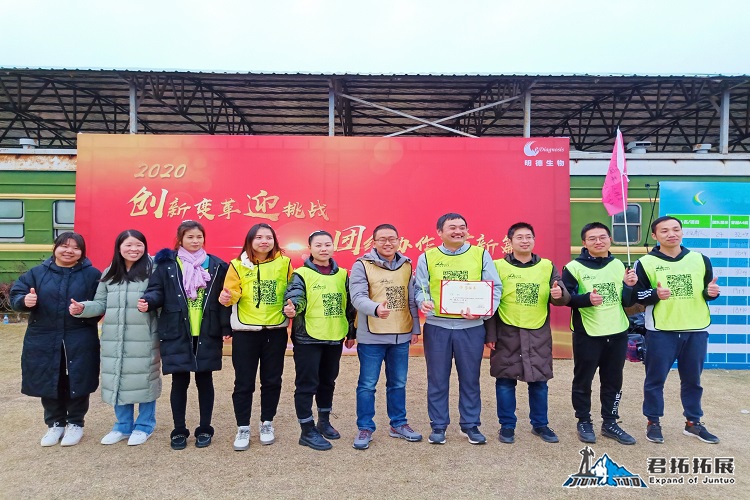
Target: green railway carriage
[37, 198]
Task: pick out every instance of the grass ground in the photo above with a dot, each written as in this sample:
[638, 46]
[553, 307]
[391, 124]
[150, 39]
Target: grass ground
[391, 468]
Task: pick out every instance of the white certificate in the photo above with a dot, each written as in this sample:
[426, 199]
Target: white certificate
[458, 297]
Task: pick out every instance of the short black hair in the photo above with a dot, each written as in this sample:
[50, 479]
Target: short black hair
[519, 225]
[319, 232]
[70, 235]
[594, 225]
[449, 216]
[383, 226]
[662, 219]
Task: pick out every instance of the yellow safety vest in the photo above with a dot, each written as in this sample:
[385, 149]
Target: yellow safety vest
[525, 298]
[462, 267]
[608, 318]
[325, 314]
[263, 287]
[685, 309]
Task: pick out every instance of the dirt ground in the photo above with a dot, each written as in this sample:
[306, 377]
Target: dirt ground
[391, 468]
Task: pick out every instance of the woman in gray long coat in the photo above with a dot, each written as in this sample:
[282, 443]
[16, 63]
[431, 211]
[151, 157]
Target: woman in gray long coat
[130, 344]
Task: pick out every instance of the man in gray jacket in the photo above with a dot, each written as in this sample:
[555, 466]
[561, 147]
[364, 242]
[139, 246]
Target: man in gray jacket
[382, 290]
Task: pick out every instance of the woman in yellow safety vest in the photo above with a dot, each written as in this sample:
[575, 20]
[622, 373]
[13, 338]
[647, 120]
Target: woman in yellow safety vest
[318, 299]
[254, 288]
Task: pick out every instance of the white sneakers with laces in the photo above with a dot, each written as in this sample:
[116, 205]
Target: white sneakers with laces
[114, 437]
[138, 437]
[72, 436]
[267, 432]
[242, 440]
[53, 435]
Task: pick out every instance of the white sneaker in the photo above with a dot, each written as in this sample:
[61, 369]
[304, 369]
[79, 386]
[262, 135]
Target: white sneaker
[242, 440]
[73, 435]
[53, 435]
[114, 437]
[266, 432]
[138, 437]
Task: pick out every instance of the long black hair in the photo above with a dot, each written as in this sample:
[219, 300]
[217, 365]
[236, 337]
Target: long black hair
[248, 247]
[139, 271]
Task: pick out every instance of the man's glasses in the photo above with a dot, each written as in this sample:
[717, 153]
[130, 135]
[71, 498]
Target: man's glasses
[594, 239]
[383, 241]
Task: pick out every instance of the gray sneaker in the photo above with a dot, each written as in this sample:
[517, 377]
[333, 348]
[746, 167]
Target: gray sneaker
[475, 437]
[437, 436]
[698, 430]
[362, 441]
[405, 432]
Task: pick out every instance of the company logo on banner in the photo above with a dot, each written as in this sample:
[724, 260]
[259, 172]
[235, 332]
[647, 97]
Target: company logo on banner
[602, 472]
[344, 185]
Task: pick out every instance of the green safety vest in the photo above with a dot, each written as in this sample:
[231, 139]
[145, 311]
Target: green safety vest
[608, 318]
[525, 298]
[462, 267]
[685, 309]
[325, 314]
[263, 287]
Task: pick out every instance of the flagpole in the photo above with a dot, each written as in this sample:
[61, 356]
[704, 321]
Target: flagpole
[622, 191]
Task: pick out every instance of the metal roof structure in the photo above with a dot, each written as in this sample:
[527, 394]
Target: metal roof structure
[674, 113]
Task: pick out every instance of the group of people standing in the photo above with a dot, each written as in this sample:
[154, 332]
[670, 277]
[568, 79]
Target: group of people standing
[176, 309]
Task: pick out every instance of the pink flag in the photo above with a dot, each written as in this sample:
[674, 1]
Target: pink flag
[615, 189]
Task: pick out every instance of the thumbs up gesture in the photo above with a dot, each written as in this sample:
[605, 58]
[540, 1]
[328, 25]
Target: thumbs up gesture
[289, 310]
[382, 310]
[630, 278]
[225, 297]
[663, 292]
[595, 298]
[713, 289]
[30, 299]
[142, 305]
[75, 307]
[555, 292]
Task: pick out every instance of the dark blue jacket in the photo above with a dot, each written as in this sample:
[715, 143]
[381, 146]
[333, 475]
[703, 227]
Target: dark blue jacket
[53, 333]
[166, 291]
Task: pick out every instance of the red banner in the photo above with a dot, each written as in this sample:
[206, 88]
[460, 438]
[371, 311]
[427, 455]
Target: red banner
[344, 185]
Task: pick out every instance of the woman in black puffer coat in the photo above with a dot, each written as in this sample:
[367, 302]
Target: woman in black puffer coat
[186, 285]
[60, 357]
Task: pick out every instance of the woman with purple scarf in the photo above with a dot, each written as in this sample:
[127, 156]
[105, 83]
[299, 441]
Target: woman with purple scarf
[186, 285]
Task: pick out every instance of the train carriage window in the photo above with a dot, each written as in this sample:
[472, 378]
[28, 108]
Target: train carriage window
[11, 220]
[633, 225]
[63, 214]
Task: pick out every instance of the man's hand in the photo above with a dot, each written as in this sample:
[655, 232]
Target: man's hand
[595, 298]
[427, 306]
[662, 292]
[383, 311]
[289, 310]
[466, 314]
[555, 292]
[630, 278]
[713, 289]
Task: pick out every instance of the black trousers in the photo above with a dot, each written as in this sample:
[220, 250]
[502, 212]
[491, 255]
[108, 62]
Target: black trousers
[179, 395]
[317, 366]
[267, 348]
[64, 410]
[607, 354]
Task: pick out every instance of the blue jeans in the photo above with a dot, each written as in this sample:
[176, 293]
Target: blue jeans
[505, 389]
[662, 349]
[145, 422]
[371, 357]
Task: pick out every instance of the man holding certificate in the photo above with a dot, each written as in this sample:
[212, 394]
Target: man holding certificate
[519, 334]
[456, 287]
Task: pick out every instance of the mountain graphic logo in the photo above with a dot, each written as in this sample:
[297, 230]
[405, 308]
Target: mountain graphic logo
[603, 472]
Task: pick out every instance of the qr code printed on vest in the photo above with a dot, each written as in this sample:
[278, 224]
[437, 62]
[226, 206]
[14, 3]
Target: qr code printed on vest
[267, 291]
[456, 275]
[527, 294]
[681, 285]
[608, 291]
[395, 296]
[332, 304]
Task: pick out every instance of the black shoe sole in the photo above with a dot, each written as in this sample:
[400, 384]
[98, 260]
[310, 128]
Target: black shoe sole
[616, 438]
[315, 447]
[586, 440]
[545, 438]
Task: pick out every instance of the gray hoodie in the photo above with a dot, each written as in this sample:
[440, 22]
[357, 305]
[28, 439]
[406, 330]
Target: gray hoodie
[360, 294]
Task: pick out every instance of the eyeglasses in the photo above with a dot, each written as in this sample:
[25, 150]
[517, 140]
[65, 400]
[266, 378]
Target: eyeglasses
[524, 238]
[594, 239]
[383, 241]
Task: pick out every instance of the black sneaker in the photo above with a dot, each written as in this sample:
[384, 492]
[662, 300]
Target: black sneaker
[179, 442]
[614, 431]
[586, 432]
[311, 437]
[475, 437]
[507, 435]
[698, 430]
[653, 432]
[547, 434]
[202, 440]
